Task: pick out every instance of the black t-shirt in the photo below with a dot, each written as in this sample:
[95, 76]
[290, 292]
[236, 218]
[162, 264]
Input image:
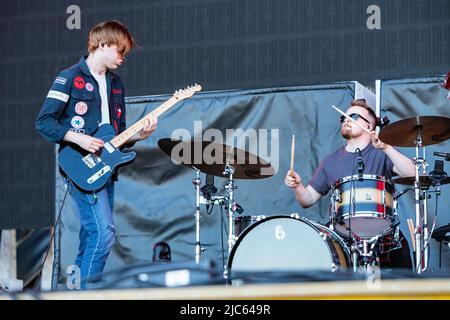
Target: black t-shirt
[342, 163]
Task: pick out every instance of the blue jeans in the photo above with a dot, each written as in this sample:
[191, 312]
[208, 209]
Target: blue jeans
[97, 229]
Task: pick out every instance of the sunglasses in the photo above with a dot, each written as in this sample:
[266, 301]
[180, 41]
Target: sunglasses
[355, 117]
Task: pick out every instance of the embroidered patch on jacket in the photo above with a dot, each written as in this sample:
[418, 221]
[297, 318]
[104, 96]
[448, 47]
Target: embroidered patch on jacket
[58, 95]
[61, 80]
[77, 122]
[117, 91]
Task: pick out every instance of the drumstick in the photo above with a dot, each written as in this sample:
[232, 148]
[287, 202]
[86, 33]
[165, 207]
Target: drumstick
[411, 231]
[354, 121]
[292, 155]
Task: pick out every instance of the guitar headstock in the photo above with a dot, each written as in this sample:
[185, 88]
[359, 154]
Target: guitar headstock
[187, 92]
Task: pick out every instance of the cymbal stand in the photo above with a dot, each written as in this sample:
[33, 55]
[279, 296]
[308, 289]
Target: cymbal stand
[426, 231]
[197, 182]
[419, 162]
[231, 205]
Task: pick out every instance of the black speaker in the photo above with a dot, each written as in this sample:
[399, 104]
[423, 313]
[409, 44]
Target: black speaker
[154, 275]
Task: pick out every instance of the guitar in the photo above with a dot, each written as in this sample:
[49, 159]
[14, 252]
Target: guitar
[91, 171]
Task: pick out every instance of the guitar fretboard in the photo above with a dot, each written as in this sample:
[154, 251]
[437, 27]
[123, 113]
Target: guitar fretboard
[139, 125]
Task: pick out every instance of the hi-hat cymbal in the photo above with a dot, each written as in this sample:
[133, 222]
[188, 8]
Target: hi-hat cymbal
[425, 181]
[404, 133]
[211, 158]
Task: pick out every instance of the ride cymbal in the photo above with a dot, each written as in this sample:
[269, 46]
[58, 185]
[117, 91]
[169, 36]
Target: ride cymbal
[425, 181]
[404, 133]
[212, 158]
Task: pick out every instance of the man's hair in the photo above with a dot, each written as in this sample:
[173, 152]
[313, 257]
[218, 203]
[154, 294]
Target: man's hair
[111, 33]
[362, 103]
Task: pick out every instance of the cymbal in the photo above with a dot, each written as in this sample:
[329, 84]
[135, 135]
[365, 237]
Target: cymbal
[403, 133]
[425, 181]
[211, 158]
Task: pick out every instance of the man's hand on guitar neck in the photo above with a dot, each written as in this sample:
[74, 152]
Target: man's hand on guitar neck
[86, 142]
[150, 126]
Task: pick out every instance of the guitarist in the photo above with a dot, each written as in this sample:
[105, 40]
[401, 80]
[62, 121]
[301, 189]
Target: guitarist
[81, 98]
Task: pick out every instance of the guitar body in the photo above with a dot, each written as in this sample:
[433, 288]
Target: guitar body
[90, 172]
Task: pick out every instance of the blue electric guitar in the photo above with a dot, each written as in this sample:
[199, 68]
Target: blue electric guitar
[91, 171]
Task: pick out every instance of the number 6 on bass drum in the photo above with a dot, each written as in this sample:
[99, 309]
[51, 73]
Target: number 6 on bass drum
[283, 243]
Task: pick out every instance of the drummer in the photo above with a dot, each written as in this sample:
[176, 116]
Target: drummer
[379, 159]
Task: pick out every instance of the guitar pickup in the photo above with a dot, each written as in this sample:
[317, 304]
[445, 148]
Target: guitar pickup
[91, 160]
[98, 174]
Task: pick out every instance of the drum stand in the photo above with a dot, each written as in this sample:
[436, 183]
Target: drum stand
[231, 205]
[421, 216]
[228, 200]
[426, 231]
[197, 182]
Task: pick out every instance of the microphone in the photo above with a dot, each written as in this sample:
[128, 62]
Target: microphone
[442, 154]
[208, 189]
[360, 165]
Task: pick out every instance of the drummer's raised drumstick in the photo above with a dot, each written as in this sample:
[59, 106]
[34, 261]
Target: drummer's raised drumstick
[411, 231]
[291, 172]
[354, 121]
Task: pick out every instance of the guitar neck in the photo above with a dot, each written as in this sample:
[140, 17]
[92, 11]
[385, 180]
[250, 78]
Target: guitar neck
[139, 125]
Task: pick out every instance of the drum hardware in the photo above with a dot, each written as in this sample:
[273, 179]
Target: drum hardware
[231, 205]
[442, 154]
[442, 235]
[295, 215]
[198, 249]
[227, 162]
[418, 132]
[364, 253]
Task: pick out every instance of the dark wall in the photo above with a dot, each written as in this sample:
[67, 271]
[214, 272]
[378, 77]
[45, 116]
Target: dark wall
[219, 44]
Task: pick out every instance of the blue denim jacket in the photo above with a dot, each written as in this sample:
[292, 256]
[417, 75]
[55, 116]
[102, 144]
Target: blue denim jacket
[74, 103]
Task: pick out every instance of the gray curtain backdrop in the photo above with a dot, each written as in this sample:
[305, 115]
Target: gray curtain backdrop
[407, 98]
[155, 198]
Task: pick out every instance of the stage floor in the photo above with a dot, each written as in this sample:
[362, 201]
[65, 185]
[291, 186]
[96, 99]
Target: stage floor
[433, 289]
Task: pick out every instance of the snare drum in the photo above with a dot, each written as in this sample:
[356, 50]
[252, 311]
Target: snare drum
[283, 243]
[373, 211]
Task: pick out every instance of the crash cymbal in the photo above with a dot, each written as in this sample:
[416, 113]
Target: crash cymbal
[211, 158]
[425, 181]
[404, 133]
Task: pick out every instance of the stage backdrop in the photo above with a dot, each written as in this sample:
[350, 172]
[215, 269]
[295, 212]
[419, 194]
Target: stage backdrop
[223, 44]
[407, 98]
[155, 198]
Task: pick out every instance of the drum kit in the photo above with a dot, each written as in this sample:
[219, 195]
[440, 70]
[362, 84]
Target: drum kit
[363, 223]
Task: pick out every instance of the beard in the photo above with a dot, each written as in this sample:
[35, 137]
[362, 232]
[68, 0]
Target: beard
[346, 132]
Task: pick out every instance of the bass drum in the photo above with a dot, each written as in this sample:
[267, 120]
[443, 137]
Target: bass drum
[290, 244]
